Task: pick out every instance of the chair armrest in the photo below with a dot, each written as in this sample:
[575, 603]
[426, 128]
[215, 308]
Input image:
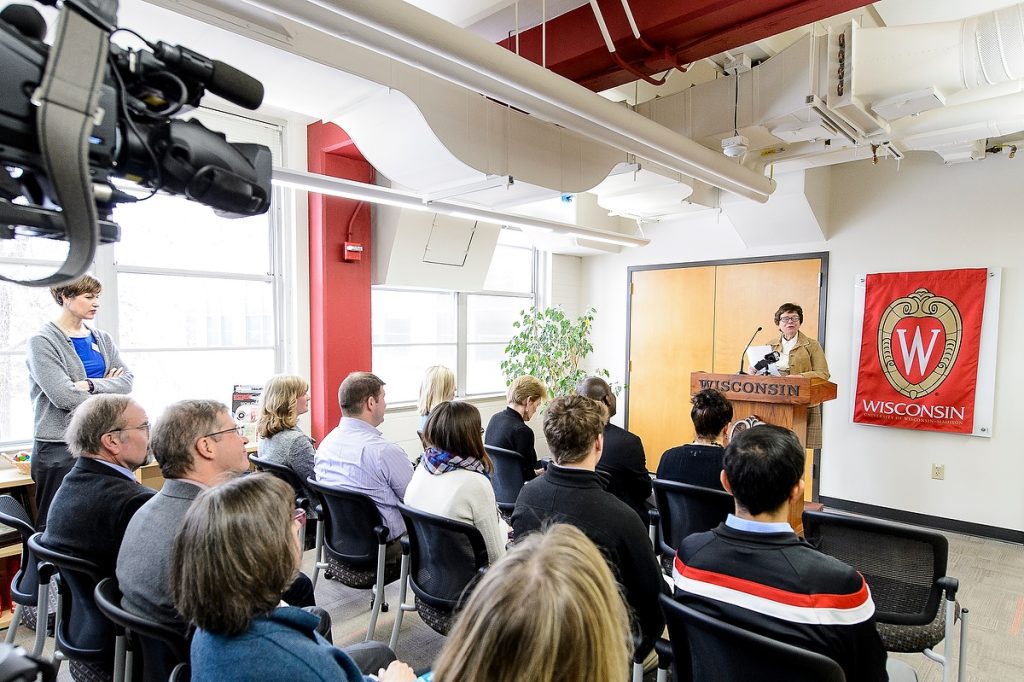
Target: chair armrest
[406, 545]
[382, 534]
[45, 571]
[653, 517]
[949, 586]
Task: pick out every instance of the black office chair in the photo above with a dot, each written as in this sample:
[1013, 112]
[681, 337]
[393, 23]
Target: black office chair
[685, 509]
[83, 635]
[302, 499]
[905, 568]
[25, 585]
[441, 561]
[507, 477]
[705, 648]
[162, 648]
[355, 543]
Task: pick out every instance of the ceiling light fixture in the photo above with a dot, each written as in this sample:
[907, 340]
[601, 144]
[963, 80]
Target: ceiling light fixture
[374, 194]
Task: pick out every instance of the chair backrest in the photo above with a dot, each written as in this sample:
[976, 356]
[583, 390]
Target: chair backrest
[25, 585]
[446, 556]
[285, 473]
[507, 477]
[901, 564]
[687, 509]
[353, 526]
[717, 650]
[162, 647]
[84, 633]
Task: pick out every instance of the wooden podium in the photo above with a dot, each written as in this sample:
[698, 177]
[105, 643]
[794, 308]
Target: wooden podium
[782, 401]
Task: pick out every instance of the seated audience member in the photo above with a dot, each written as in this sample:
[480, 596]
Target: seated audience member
[507, 429]
[108, 435]
[198, 446]
[237, 550]
[755, 572]
[355, 455]
[452, 479]
[438, 386]
[571, 492]
[700, 462]
[549, 610]
[623, 463]
[285, 398]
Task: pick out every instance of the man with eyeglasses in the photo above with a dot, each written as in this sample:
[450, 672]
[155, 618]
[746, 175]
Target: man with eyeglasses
[109, 438]
[198, 446]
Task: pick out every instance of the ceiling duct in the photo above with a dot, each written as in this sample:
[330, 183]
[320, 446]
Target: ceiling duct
[417, 38]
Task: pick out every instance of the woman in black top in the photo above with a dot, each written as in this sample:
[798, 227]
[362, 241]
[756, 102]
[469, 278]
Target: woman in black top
[700, 462]
[507, 429]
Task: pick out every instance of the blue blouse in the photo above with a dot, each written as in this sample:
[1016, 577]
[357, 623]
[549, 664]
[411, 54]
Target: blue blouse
[88, 351]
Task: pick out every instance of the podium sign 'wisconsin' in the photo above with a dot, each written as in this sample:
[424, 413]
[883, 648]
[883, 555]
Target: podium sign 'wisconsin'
[919, 349]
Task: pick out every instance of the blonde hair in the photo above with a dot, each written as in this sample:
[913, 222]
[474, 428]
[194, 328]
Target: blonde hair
[278, 404]
[549, 610]
[526, 387]
[438, 386]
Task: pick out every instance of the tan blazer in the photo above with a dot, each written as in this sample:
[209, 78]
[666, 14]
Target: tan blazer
[807, 358]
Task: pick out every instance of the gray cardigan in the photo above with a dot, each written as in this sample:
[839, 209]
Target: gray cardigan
[53, 369]
[293, 449]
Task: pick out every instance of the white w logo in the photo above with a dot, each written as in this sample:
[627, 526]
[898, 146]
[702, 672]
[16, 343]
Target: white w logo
[916, 349]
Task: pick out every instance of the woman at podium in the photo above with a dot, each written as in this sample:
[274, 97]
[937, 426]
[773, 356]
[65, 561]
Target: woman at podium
[800, 355]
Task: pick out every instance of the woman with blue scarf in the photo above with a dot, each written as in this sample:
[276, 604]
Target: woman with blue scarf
[453, 478]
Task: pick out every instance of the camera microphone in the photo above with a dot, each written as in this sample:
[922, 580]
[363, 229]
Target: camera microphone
[769, 359]
[216, 76]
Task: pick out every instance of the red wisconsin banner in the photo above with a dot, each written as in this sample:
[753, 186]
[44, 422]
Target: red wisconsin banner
[919, 349]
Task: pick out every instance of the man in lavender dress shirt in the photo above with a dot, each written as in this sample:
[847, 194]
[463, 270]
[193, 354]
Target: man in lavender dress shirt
[355, 455]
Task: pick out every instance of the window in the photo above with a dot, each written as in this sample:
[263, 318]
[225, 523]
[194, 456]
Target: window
[414, 329]
[192, 299]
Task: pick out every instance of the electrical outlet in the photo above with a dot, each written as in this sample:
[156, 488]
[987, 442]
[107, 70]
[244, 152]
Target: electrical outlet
[939, 472]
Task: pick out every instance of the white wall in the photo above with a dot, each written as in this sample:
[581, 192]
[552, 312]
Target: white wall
[920, 216]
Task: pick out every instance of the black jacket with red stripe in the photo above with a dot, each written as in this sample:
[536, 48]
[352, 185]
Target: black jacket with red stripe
[779, 586]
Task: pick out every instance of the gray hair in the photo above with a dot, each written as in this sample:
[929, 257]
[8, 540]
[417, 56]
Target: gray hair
[173, 438]
[97, 416]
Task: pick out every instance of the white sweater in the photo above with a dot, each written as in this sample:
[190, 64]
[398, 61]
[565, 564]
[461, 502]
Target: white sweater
[464, 496]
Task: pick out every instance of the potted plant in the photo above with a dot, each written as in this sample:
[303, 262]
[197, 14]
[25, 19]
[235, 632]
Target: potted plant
[552, 347]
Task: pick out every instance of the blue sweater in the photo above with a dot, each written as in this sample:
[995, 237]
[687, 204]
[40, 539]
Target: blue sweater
[281, 646]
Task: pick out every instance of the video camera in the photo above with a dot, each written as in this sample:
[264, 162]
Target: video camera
[79, 113]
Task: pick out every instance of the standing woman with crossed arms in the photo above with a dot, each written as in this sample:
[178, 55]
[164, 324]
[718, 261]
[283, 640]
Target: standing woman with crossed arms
[68, 361]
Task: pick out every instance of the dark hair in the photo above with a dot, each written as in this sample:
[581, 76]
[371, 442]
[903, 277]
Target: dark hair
[87, 284]
[710, 413]
[789, 308]
[173, 439]
[763, 464]
[455, 428]
[355, 390]
[571, 425]
[235, 553]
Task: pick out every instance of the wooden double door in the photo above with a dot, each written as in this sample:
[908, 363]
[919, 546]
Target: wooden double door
[698, 318]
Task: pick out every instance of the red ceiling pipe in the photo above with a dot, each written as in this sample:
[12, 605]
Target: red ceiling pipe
[339, 292]
[689, 31]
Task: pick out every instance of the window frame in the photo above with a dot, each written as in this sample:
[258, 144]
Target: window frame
[462, 342]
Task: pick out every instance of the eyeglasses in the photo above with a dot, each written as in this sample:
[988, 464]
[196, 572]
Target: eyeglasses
[144, 426]
[240, 430]
[299, 515]
[789, 318]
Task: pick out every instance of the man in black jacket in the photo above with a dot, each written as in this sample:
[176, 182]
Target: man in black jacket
[571, 492]
[755, 572]
[109, 437]
[623, 464]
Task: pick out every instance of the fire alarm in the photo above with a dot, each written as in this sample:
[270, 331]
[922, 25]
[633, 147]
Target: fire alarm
[351, 252]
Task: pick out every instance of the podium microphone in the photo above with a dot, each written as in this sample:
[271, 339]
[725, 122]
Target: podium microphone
[744, 355]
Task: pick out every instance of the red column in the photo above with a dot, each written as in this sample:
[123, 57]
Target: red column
[339, 292]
